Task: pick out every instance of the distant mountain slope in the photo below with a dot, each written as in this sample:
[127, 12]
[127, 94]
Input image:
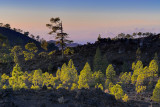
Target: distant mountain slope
[68, 45]
[16, 38]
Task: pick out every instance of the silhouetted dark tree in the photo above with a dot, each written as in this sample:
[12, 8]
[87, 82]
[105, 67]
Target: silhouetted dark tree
[37, 37]
[7, 26]
[44, 44]
[61, 37]
[32, 36]
[26, 33]
[1, 24]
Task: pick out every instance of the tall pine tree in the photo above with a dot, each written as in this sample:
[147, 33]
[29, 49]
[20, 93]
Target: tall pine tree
[97, 63]
[85, 77]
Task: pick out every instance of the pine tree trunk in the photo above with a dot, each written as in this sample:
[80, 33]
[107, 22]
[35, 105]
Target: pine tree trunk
[62, 50]
[62, 41]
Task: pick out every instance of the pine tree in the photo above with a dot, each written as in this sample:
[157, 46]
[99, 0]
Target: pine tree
[17, 80]
[16, 51]
[37, 78]
[85, 77]
[153, 68]
[97, 63]
[69, 74]
[138, 69]
[117, 91]
[125, 78]
[138, 54]
[156, 92]
[98, 77]
[32, 48]
[110, 73]
[58, 73]
[60, 35]
[156, 59]
[105, 64]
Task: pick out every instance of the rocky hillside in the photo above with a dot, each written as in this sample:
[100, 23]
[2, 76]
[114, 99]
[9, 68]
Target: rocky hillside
[119, 51]
[63, 98]
[116, 51]
[57, 98]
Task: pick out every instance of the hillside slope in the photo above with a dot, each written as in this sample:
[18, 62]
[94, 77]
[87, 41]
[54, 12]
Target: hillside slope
[16, 38]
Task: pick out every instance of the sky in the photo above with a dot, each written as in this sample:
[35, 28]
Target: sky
[83, 20]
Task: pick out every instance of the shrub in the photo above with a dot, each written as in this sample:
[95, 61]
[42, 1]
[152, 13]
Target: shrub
[125, 98]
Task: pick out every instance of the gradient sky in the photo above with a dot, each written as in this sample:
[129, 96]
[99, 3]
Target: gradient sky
[83, 20]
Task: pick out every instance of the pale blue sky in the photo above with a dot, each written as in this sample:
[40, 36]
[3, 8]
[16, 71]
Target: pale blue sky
[83, 20]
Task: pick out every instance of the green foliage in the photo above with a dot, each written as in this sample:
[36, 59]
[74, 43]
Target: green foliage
[97, 63]
[31, 47]
[105, 64]
[85, 77]
[153, 68]
[74, 86]
[107, 82]
[4, 86]
[5, 58]
[61, 86]
[43, 54]
[28, 55]
[35, 87]
[98, 77]
[68, 51]
[61, 37]
[110, 85]
[125, 98]
[117, 91]
[54, 81]
[138, 54]
[156, 59]
[110, 73]
[138, 69]
[68, 73]
[17, 81]
[16, 51]
[125, 78]
[58, 73]
[50, 54]
[4, 78]
[46, 77]
[156, 92]
[140, 89]
[37, 78]
[44, 44]
[100, 86]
